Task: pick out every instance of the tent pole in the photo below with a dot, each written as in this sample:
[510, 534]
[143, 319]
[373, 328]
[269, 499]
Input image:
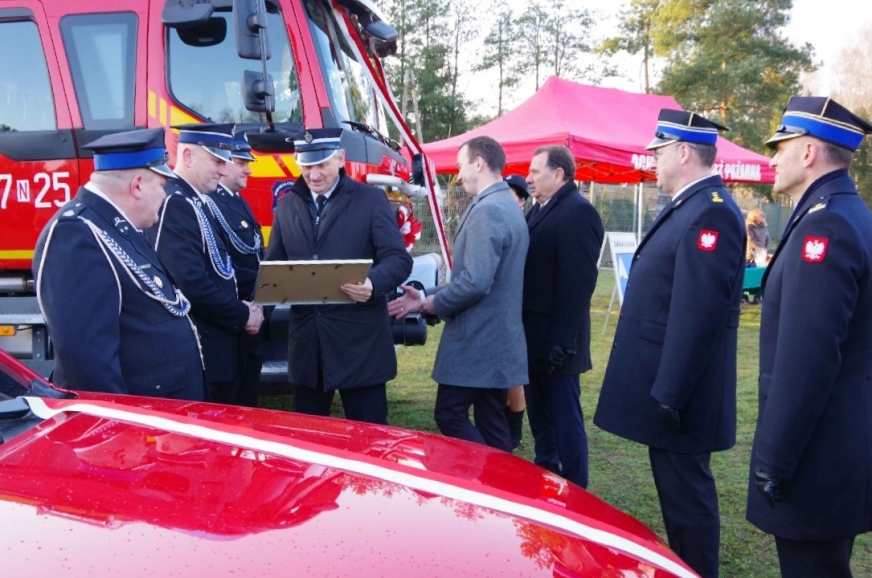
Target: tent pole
[639, 219]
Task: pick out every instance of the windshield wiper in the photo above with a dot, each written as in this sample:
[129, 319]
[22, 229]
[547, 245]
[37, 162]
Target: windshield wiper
[366, 129]
[15, 418]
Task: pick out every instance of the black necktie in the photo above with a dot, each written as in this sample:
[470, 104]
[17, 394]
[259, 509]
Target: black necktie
[533, 211]
[320, 203]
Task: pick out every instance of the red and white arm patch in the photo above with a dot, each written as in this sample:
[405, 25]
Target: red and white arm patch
[814, 249]
[708, 240]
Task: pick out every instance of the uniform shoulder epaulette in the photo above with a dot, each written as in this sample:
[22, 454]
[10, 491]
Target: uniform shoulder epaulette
[716, 197]
[817, 207]
[72, 212]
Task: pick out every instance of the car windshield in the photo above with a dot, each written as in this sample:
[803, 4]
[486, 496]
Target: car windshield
[352, 96]
[205, 71]
[12, 384]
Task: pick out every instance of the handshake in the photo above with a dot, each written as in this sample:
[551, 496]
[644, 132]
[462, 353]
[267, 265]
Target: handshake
[255, 318]
[411, 301]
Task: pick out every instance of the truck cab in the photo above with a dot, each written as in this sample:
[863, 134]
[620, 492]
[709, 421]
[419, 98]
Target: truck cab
[73, 70]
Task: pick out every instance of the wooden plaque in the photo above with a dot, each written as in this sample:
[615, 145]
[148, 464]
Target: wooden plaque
[307, 282]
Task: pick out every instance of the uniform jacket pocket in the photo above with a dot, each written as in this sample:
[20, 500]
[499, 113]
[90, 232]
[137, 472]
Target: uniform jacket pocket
[651, 331]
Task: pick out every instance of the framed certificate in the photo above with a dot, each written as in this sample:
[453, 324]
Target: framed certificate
[307, 282]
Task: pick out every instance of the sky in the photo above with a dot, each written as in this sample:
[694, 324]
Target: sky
[828, 25]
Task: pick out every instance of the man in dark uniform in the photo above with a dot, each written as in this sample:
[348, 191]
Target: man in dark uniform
[566, 234]
[671, 379]
[238, 225]
[117, 321]
[345, 347]
[191, 242]
[811, 466]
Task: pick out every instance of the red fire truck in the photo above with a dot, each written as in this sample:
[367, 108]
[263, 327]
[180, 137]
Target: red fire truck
[73, 70]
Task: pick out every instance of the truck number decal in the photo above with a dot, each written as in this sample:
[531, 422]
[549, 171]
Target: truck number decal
[8, 180]
[46, 182]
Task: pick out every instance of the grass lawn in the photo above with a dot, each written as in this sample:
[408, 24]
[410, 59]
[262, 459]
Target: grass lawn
[619, 471]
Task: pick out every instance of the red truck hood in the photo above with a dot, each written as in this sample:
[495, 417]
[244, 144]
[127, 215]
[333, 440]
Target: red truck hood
[118, 485]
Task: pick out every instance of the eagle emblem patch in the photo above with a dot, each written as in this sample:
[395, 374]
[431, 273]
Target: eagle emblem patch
[814, 249]
[708, 240]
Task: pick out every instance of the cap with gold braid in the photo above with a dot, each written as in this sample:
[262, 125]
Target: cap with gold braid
[822, 118]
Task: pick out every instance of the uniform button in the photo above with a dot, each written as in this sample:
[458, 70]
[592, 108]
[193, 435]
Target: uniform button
[315, 257]
[157, 387]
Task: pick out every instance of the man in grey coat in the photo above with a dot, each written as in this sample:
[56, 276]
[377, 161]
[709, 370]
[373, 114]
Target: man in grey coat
[483, 352]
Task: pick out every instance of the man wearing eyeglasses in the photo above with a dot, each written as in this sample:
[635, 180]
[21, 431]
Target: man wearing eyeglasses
[671, 379]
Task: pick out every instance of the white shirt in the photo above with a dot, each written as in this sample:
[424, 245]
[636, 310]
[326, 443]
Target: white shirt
[688, 185]
[93, 188]
[327, 194]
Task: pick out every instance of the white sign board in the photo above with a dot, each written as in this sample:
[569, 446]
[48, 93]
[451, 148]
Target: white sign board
[622, 247]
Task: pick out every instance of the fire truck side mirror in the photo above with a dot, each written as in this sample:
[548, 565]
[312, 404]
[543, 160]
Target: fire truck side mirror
[250, 20]
[181, 14]
[378, 29]
[258, 93]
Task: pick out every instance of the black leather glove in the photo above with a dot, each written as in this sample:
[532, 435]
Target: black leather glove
[557, 354]
[670, 417]
[770, 486]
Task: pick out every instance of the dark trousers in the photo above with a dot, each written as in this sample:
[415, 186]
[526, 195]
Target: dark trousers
[805, 558]
[557, 423]
[689, 503]
[250, 363]
[224, 391]
[488, 405]
[369, 404]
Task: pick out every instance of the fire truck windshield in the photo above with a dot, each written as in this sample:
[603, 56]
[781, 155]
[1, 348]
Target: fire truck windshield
[352, 96]
[205, 72]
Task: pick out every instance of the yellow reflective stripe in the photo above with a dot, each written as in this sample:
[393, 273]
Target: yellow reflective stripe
[266, 166]
[163, 112]
[152, 104]
[16, 254]
[291, 163]
[178, 116]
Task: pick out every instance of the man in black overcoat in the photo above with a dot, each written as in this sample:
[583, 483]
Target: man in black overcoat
[811, 466]
[344, 347]
[671, 379]
[191, 242]
[117, 321]
[566, 234]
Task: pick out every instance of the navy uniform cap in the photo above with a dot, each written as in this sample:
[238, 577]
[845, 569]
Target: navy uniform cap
[317, 145]
[133, 149]
[823, 118]
[518, 183]
[240, 149]
[682, 126]
[215, 138]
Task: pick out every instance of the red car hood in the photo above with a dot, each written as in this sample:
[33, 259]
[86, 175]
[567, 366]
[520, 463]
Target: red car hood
[126, 486]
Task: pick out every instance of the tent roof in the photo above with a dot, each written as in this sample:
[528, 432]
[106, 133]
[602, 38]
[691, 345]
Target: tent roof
[605, 128]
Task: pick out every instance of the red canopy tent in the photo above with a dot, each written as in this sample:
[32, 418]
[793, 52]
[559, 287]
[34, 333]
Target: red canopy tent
[605, 128]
